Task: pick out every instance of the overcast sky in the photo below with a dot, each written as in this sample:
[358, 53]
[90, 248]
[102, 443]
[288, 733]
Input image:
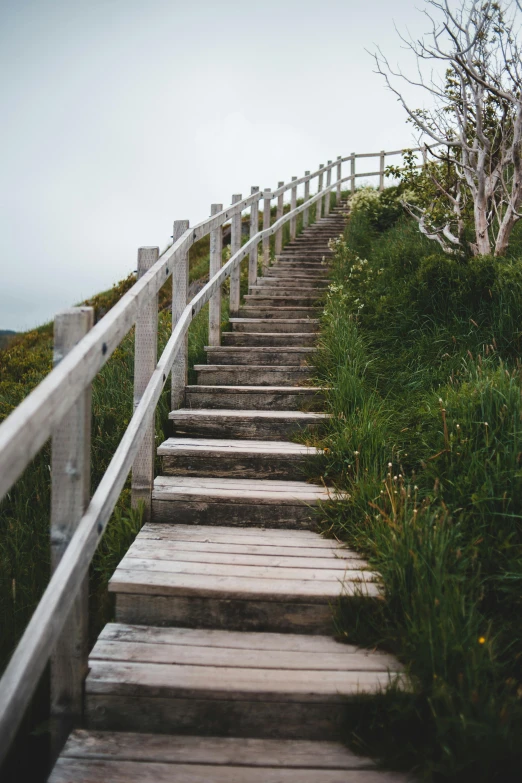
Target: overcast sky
[119, 116]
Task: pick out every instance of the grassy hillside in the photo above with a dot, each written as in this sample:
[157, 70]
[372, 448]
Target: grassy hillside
[422, 352]
[6, 335]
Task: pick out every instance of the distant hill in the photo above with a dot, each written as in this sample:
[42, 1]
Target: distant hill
[5, 337]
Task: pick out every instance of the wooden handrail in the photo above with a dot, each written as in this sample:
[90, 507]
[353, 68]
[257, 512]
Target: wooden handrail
[33, 422]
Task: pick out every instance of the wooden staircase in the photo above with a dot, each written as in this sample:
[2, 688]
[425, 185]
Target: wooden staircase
[221, 664]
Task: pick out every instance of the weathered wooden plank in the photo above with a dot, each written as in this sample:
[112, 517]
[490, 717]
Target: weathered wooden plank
[283, 642]
[314, 721]
[217, 657]
[254, 228]
[70, 491]
[234, 683]
[275, 325]
[173, 445]
[225, 533]
[72, 770]
[254, 614]
[145, 358]
[269, 339]
[180, 283]
[149, 550]
[235, 245]
[218, 751]
[216, 259]
[229, 569]
[245, 423]
[257, 375]
[130, 580]
[274, 398]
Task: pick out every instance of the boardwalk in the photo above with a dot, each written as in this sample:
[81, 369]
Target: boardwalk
[221, 664]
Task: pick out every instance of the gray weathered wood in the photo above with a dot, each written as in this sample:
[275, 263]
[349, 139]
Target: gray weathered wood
[254, 228]
[293, 204]
[319, 202]
[243, 422]
[352, 172]
[339, 177]
[145, 358]
[328, 183]
[213, 750]
[216, 259]
[267, 200]
[279, 214]
[70, 493]
[381, 170]
[180, 282]
[235, 245]
[306, 213]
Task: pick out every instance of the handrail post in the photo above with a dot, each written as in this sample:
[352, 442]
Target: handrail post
[70, 495]
[293, 205]
[216, 259]
[180, 285]
[352, 172]
[267, 200]
[319, 202]
[254, 229]
[381, 171]
[339, 177]
[279, 214]
[145, 360]
[306, 212]
[328, 195]
[235, 246]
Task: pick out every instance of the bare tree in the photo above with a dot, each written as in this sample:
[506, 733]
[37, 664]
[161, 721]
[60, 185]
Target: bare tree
[476, 116]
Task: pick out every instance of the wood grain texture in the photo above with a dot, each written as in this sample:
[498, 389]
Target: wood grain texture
[254, 228]
[180, 283]
[220, 751]
[216, 259]
[235, 245]
[70, 492]
[145, 358]
[243, 423]
[274, 398]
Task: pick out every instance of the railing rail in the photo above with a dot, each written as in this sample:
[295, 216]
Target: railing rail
[39, 416]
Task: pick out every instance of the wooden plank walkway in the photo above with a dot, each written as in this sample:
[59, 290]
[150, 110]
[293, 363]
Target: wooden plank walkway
[221, 664]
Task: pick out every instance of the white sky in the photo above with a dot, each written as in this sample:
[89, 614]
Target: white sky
[120, 116]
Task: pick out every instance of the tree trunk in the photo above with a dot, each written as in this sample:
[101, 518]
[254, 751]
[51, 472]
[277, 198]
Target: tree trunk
[482, 246]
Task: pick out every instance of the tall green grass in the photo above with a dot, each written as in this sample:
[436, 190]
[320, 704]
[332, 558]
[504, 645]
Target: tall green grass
[421, 353]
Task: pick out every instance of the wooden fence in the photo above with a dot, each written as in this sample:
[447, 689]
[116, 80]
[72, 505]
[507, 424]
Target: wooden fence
[59, 408]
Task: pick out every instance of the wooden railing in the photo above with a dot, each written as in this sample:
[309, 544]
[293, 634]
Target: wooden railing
[59, 408]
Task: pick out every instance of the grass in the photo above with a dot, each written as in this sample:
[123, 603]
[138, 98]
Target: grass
[421, 352]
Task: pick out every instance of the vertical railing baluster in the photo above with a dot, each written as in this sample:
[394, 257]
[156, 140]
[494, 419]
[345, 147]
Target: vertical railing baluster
[235, 246]
[293, 205]
[306, 212]
[145, 360]
[339, 177]
[180, 285]
[216, 259]
[381, 171]
[329, 195]
[267, 200]
[254, 229]
[70, 495]
[319, 202]
[279, 214]
[352, 172]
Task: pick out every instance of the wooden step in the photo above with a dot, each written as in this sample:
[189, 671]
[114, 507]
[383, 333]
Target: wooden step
[287, 356]
[250, 424]
[269, 300]
[231, 501]
[235, 458]
[168, 680]
[290, 282]
[276, 398]
[247, 579]
[265, 311]
[127, 757]
[278, 288]
[297, 272]
[260, 375]
[269, 339]
[274, 325]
